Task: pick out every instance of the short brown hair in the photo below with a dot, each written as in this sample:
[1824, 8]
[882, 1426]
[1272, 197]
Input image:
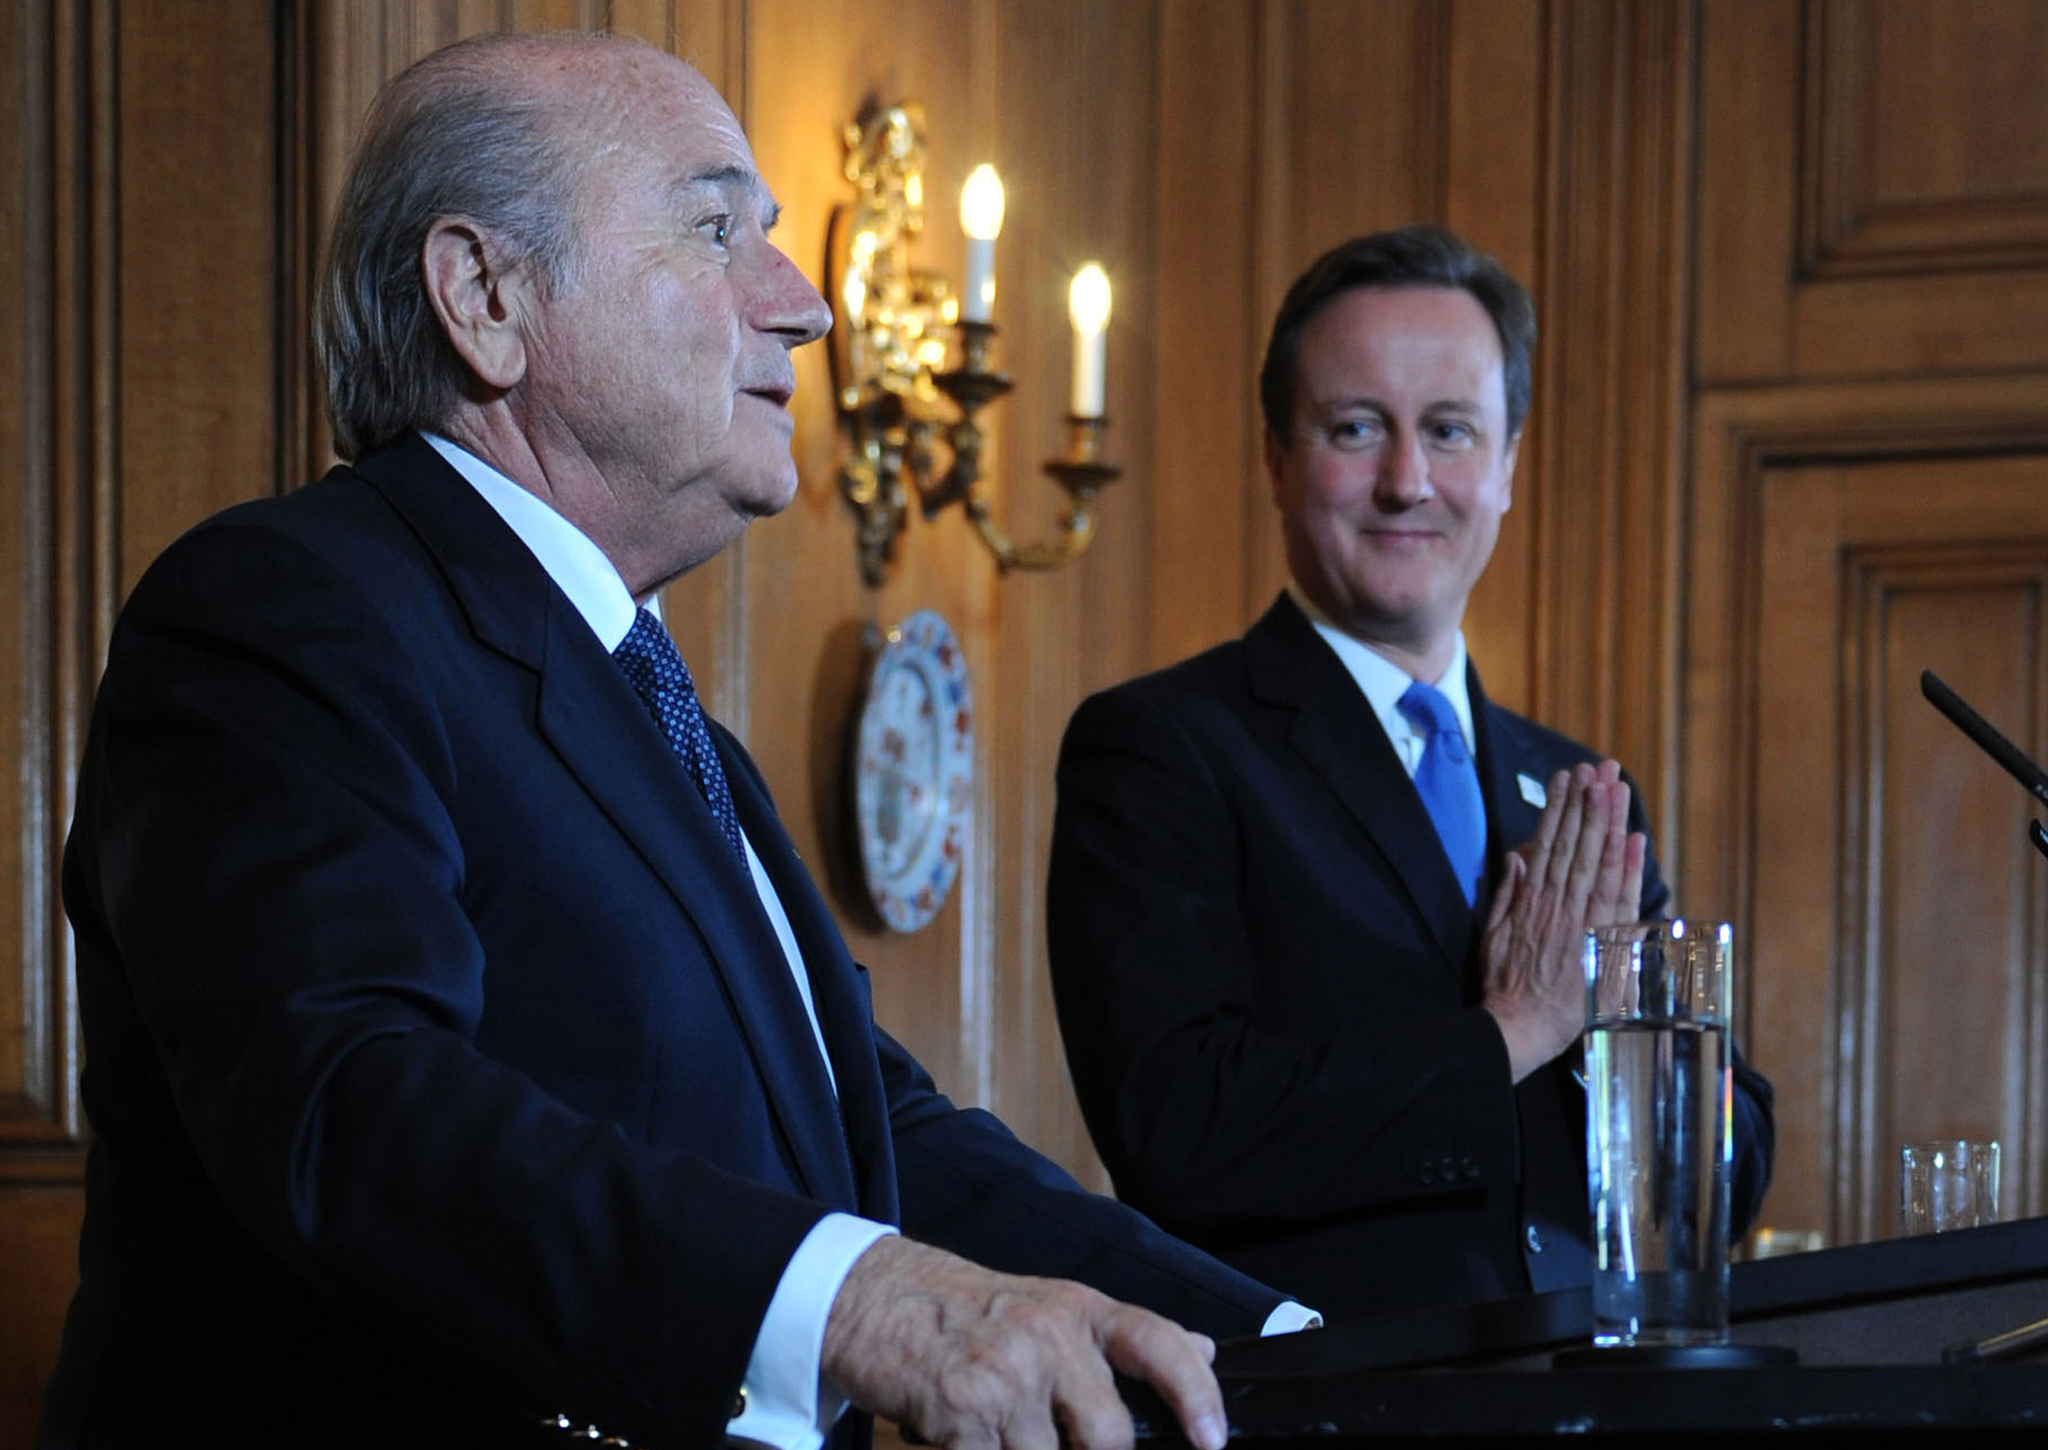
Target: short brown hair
[1413, 256]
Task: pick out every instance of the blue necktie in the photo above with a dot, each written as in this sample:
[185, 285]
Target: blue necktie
[661, 679]
[1449, 784]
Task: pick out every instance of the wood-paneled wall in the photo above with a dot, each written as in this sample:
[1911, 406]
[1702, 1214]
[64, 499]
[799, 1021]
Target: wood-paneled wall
[1789, 445]
[1868, 498]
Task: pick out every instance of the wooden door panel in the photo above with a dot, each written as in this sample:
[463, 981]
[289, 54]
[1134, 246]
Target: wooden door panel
[1925, 138]
[1934, 969]
[1894, 926]
[1950, 953]
[1873, 187]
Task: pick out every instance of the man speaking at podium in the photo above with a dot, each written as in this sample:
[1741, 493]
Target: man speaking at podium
[1315, 903]
[470, 1058]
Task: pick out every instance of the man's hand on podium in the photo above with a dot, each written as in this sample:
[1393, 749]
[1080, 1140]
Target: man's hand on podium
[970, 1358]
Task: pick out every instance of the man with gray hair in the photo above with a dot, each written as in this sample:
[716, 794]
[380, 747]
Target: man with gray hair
[470, 1058]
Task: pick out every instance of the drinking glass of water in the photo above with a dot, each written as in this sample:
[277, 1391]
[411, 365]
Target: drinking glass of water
[1948, 1185]
[1659, 1137]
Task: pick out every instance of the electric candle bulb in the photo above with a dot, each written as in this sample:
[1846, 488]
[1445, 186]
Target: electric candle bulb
[981, 217]
[1088, 306]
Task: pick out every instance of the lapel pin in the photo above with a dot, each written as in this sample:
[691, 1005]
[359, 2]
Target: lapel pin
[1532, 790]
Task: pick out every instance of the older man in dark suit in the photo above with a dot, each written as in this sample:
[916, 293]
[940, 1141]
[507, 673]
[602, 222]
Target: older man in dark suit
[1315, 903]
[469, 1054]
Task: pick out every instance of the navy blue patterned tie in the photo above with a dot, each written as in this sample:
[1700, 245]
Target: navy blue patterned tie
[1449, 784]
[658, 674]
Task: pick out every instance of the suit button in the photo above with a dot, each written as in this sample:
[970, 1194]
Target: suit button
[1449, 1169]
[1471, 1167]
[1535, 1240]
[739, 1401]
[1428, 1174]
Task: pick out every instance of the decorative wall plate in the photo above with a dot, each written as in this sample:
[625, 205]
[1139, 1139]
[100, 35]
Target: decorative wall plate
[913, 784]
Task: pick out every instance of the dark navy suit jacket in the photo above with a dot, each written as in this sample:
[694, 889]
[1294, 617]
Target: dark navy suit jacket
[1268, 981]
[443, 1068]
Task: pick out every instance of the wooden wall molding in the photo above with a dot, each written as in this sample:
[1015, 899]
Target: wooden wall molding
[1873, 980]
[1739, 437]
[305, 446]
[1873, 189]
[60, 372]
[1846, 228]
[57, 526]
[1777, 699]
[1600, 489]
[1219, 107]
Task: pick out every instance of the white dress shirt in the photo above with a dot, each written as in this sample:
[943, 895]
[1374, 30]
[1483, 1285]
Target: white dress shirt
[1384, 682]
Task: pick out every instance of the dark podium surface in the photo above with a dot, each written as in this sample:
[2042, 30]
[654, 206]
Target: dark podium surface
[1870, 1324]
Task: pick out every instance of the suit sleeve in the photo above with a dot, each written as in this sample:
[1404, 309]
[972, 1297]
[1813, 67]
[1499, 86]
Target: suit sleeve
[269, 893]
[1203, 1108]
[969, 1186]
[1755, 1140]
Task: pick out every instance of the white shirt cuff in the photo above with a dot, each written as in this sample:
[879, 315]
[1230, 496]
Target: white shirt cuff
[788, 1404]
[1289, 1317]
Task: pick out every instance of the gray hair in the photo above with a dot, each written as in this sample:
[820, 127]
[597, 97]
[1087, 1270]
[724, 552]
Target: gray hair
[454, 135]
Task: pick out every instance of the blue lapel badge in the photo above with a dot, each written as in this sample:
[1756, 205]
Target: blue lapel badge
[1532, 789]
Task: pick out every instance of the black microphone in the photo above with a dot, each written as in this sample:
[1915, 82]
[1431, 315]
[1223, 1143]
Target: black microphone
[2016, 761]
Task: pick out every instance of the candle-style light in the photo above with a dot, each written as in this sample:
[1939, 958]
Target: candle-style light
[915, 441]
[981, 217]
[1088, 306]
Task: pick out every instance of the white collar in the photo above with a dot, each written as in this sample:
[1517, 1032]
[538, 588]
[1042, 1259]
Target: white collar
[1384, 682]
[576, 564]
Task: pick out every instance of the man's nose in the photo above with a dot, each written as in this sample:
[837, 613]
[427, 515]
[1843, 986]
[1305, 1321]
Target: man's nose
[786, 304]
[1403, 478]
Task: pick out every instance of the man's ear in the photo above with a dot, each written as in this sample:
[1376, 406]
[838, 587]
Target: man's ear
[482, 308]
[1275, 449]
[1507, 473]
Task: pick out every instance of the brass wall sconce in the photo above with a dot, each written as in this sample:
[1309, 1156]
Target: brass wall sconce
[893, 326]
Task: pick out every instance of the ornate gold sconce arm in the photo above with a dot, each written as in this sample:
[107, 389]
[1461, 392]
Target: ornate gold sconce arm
[1082, 474]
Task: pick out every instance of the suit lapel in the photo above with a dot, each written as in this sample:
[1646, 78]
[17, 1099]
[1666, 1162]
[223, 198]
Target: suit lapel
[1505, 757]
[1337, 735]
[598, 726]
[594, 722]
